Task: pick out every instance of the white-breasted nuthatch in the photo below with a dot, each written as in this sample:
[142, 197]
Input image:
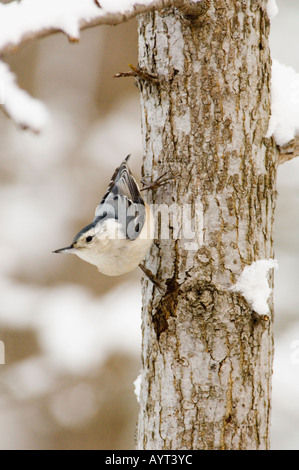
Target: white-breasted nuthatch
[122, 231]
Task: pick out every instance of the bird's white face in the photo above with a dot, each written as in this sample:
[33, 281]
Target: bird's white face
[84, 244]
[92, 242]
[85, 241]
[86, 247]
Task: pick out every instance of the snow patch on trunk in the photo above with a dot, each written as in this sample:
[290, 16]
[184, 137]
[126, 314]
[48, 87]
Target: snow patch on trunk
[254, 286]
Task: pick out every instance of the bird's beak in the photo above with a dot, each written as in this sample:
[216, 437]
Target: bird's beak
[67, 249]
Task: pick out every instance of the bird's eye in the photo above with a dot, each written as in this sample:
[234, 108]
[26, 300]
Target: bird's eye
[89, 238]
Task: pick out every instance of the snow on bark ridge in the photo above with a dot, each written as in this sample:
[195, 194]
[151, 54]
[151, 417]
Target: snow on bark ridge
[254, 286]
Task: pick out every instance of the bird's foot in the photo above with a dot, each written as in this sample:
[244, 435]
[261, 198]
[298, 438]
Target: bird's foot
[160, 181]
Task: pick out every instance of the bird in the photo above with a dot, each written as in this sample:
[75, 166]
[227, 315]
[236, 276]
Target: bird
[122, 231]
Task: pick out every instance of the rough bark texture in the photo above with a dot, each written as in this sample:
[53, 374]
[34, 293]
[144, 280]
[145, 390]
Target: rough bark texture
[207, 357]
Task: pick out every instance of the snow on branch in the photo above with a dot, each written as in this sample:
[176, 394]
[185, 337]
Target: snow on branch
[253, 284]
[272, 8]
[27, 20]
[284, 121]
[26, 111]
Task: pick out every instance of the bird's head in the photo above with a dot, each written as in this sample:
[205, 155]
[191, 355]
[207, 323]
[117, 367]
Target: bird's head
[84, 244]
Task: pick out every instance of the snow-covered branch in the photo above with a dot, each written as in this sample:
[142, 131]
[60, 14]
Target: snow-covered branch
[26, 111]
[284, 121]
[28, 20]
[22, 22]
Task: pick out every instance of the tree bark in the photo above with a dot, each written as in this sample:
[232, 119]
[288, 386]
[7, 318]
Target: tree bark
[206, 356]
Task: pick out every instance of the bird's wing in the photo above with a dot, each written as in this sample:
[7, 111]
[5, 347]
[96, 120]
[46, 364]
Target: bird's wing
[123, 201]
[123, 183]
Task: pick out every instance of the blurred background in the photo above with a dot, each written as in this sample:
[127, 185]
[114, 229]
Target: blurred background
[72, 336]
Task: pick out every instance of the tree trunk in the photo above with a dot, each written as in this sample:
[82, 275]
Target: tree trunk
[207, 357]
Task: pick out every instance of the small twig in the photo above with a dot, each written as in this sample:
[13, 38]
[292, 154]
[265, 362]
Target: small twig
[73, 40]
[138, 72]
[260, 319]
[141, 73]
[288, 151]
[124, 74]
